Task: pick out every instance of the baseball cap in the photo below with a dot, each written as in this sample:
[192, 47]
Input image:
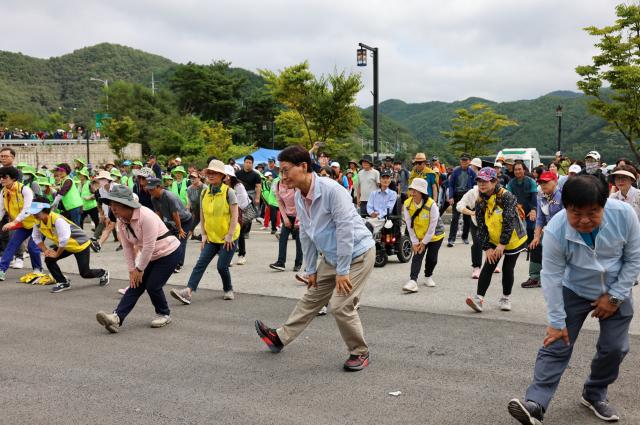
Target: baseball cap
[593, 154]
[465, 156]
[547, 176]
[486, 174]
[335, 164]
[575, 168]
[153, 182]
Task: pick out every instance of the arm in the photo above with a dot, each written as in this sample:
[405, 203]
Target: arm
[309, 251]
[63, 231]
[509, 217]
[149, 230]
[2, 211]
[483, 232]
[464, 204]
[412, 233]
[553, 268]
[630, 259]
[391, 202]
[27, 195]
[540, 218]
[433, 222]
[341, 214]
[370, 202]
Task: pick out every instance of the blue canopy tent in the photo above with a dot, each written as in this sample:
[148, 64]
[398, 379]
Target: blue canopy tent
[261, 156]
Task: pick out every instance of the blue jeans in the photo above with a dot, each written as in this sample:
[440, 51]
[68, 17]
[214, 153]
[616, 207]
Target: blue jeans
[612, 346]
[186, 226]
[17, 237]
[75, 215]
[154, 278]
[282, 243]
[209, 251]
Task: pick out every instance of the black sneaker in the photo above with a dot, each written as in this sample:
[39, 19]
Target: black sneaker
[296, 268]
[602, 409]
[466, 241]
[526, 412]
[449, 244]
[95, 245]
[356, 362]
[119, 248]
[104, 279]
[531, 283]
[269, 337]
[60, 287]
[196, 238]
[277, 266]
[178, 269]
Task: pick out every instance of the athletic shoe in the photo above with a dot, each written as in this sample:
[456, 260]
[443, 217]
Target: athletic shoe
[526, 412]
[296, 268]
[61, 287]
[178, 269]
[182, 295]
[160, 320]
[531, 283]
[429, 282]
[2, 275]
[123, 291]
[260, 220]
[602, 409]
[449, 244]
[273, 232]
[104, 279]
[277, 266]
[300, 277]
[242, 260]
[497, 270]
[228, 295]
[466, 241]
[269, 336]
[475, 274]
[95, 246]
[504, 303]
[110, 321]
[475, 303]
[119, 248]
[410, 287]
[18, 263]
[323, 311]
[196, 238]
[356, 362]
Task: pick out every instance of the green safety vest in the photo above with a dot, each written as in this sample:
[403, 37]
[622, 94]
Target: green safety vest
[180, 191]
[86, 191]
[72, 199]
[268, 193]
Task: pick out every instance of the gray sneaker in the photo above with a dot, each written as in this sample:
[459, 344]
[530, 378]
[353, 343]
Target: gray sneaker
[602, 409]
[505, 303]
[181, 295]
[161, 320]
[104, 279]
[110, 321]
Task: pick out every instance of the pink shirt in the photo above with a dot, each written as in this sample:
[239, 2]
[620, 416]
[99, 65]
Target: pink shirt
[308, 200]
[287, 196]
[147, 227]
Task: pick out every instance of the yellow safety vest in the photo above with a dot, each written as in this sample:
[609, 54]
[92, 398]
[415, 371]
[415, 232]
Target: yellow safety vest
[423, 219]
[217, 215]
[493, 221]
[13, 203]
[78, 241]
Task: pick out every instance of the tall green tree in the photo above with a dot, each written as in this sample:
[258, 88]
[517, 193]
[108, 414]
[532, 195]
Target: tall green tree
[121, 132]
[618, 65]
[475, 129]
[325, 104]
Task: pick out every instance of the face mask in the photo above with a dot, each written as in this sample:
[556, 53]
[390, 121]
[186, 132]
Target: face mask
[591, 167]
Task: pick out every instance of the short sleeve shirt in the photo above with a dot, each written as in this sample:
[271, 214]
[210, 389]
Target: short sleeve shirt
[249, 179]
[168, 204]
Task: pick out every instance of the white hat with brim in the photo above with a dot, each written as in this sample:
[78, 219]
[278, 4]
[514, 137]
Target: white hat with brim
[104, 175]
[217, 166]
[420, 185]
[122, 195]
[229, 171]
[37, 207]
[476, 162]
[624, 173]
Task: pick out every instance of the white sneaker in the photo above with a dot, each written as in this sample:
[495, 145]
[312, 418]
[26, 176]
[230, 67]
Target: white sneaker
[323, 311]
[410, 287]
[429, 282]
[18, 263]
[241, 261]
[504, 303]
[228, 295]
[475, 303]
[160, 321]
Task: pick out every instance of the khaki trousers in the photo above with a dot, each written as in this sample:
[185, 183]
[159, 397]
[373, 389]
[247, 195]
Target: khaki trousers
[341, 306]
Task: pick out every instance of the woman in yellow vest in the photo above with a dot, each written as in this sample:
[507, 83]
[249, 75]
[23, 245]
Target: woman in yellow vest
[220, 232]
[16, 200]
[68, 195]
[501, 232]
[422, 216]
[69, 240]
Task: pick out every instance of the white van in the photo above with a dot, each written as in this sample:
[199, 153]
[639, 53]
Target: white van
[529, 156]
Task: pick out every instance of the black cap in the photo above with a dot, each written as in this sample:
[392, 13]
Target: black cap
[389, 158]
[385, 173]
[465, 156]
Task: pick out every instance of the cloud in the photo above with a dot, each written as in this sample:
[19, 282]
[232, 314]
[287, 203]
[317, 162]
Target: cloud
[429, 50]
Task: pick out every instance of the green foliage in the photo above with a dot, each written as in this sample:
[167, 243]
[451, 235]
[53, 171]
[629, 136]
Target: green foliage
[475, 129]
[121, 132]
[617, 64]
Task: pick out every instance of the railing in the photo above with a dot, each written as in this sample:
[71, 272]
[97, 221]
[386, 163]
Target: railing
[48, 142]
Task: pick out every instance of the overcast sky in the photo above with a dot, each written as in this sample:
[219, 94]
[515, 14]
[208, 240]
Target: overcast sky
[429, 50]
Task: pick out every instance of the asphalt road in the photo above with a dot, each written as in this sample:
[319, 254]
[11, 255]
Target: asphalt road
[58, 366]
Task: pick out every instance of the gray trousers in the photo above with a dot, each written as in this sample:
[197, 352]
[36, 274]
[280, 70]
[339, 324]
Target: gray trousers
[612, 346]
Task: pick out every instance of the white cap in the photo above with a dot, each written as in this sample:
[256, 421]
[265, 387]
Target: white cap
[593, 154]
[335, 164]
[575, 168]
[178, 159]
[268, 173]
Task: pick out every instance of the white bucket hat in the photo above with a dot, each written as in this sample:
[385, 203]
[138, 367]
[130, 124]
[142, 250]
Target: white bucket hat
[420, 185]
[477, 162]
[229, 171]
[217, 166]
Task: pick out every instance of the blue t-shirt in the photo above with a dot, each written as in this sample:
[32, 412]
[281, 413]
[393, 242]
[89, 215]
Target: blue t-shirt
[431, 180]
[590, 238]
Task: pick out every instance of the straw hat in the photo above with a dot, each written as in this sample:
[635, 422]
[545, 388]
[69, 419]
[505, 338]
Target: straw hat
[217, 166]
[420, 157]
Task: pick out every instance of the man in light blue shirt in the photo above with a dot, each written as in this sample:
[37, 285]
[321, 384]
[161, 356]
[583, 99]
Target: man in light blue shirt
[590, 261]
[330, 226]
[382, 200]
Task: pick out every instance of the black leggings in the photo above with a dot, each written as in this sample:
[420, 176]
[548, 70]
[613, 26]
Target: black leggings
[82, 258]
[508, 265]
[93, 213]
[431, 252]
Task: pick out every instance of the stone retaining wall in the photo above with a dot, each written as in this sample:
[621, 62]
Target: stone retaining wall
[50, 154]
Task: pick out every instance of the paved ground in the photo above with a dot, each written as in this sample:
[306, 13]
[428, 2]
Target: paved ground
[58, 366]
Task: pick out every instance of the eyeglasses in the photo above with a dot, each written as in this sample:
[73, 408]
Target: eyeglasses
[284, 170]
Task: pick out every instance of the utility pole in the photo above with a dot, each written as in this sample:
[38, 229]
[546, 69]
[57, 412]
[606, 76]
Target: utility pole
[153, 85]
[362, 61]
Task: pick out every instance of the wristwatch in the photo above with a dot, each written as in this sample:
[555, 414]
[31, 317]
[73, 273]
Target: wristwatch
[615, 301]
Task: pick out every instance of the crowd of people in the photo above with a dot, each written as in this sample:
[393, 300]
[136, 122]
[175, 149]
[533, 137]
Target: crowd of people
[76, 133]
[585, 215]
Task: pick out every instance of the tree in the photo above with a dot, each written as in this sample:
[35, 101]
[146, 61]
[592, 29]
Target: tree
[618, 64]
[325, 105]
[121, 132]
[474, 129]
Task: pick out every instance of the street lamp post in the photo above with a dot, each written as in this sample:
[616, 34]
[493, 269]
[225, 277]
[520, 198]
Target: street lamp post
[106, 86]
[559, 115]
[362, 61]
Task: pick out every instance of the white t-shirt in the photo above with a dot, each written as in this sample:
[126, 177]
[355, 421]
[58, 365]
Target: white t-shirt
[367, 183]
